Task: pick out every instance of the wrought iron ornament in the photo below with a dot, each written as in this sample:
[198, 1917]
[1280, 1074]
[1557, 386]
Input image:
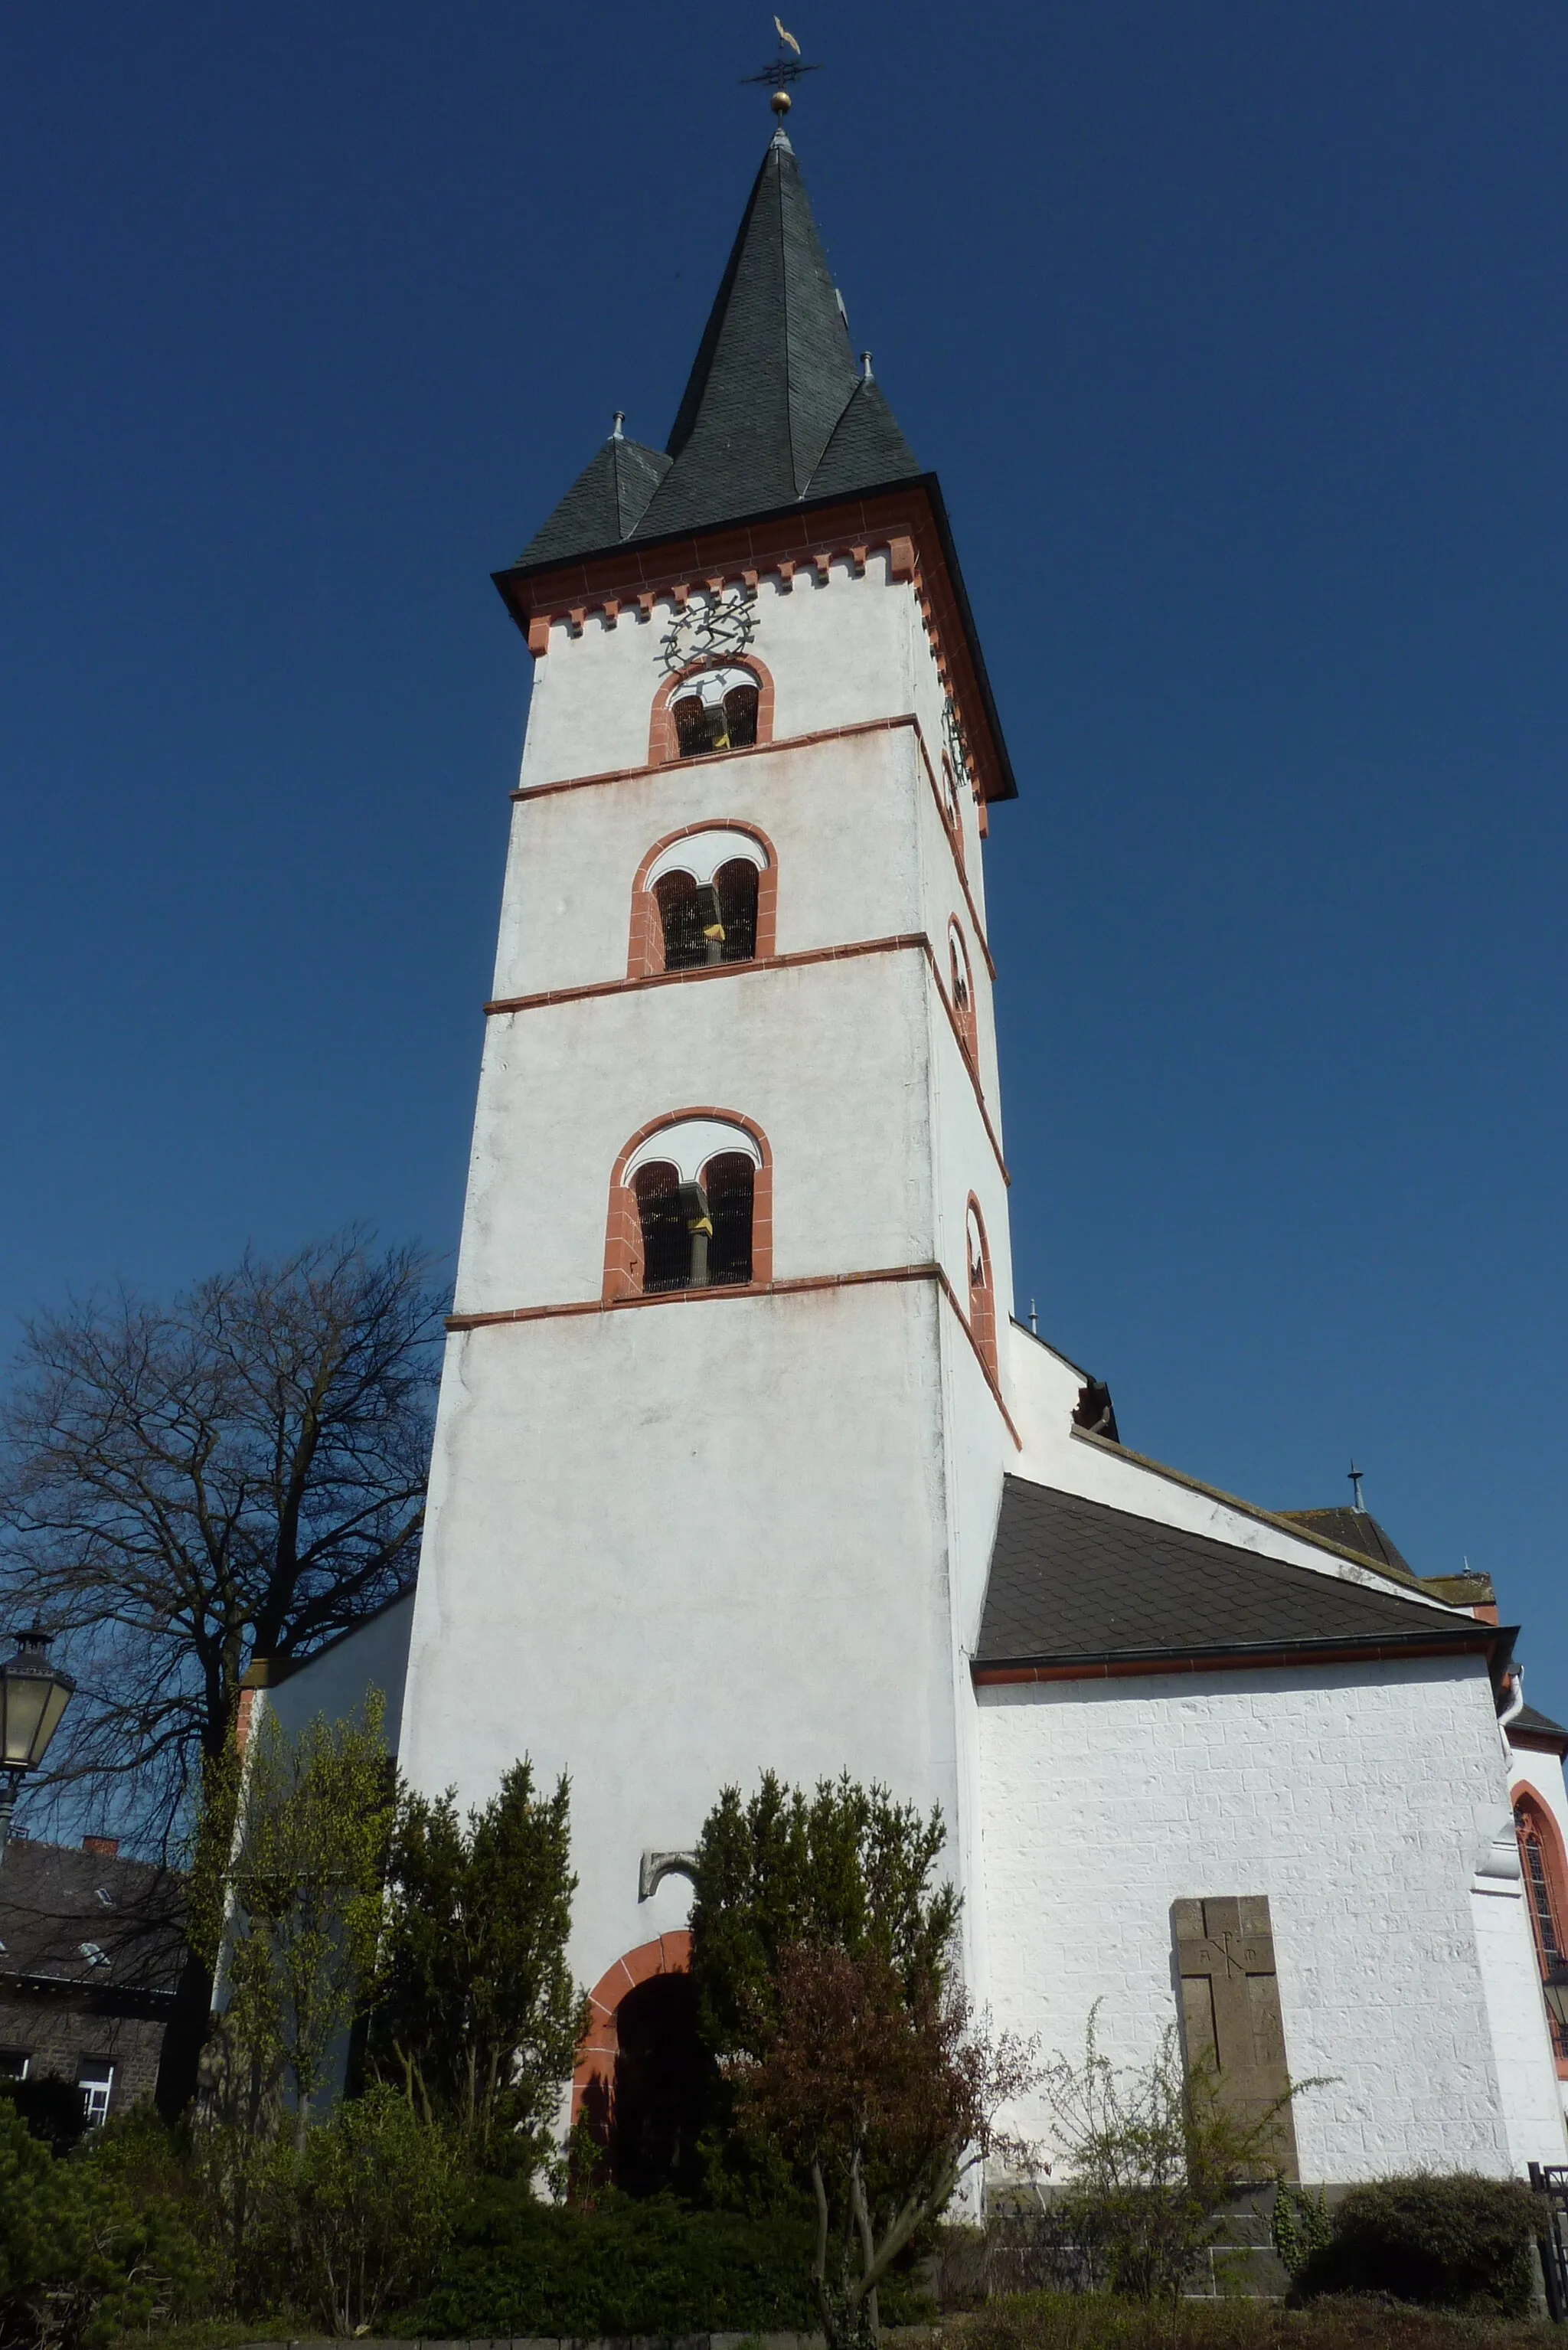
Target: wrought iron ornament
[715, 631]
[957, 744]
[786, 68]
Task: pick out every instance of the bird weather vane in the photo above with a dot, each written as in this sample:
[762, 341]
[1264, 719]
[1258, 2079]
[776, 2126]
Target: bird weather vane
[786, 68]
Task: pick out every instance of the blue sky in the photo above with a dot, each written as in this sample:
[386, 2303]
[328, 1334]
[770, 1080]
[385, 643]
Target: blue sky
[1237, 333]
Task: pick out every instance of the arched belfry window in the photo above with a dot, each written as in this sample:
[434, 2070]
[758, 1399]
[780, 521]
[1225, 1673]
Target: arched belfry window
[1541, 1860]
[981, 1298]
[961, 989]
[705, 897]
[689, 1210]
[714, 710]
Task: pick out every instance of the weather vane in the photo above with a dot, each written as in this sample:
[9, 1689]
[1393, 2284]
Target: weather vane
[780, 71]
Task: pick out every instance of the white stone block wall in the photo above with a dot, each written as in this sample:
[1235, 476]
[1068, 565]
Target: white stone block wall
[1356, 1797]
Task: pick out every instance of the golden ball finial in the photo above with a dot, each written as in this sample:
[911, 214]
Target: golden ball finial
[780, 101]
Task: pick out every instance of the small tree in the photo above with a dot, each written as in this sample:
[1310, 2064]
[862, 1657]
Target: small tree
[372, 2196]
[479, 2019]
[314, 1822]
[846, 1868]
[1156, 2157]
[886, 2100]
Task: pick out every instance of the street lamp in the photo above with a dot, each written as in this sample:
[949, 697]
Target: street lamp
[33, 1696]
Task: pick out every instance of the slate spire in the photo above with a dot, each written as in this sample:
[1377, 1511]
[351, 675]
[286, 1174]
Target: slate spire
[776, 408]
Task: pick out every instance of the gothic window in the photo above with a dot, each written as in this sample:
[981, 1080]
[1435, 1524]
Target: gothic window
[1539, 1854]
[982, 1302]
[690, 1220]
[709, 922]
[961, 989]
[715, 710]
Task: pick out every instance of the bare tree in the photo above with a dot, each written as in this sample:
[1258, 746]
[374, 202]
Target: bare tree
[184, 1488]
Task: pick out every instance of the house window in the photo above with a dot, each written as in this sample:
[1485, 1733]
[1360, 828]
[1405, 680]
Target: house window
[95, 2079]
[684, 1215]
[716, 710]
[14, 2062]
[709, 922]
[1538, 1855]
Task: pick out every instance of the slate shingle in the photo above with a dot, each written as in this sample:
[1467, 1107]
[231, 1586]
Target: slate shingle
[776, 409]
[1072, 1579]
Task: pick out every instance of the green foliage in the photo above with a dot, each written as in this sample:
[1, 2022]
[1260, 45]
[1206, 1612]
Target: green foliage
[1450, 2242]
[1154, 2157]
[521, 2267]
[314, 1822]
[54, 2110]
[79, 2262]
[479, 2019]
[846, 1868]
[369, 2205]
[1300, 2225]
[1094, 2320]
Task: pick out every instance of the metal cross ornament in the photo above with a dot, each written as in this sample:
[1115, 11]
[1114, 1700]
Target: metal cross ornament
[720, 629]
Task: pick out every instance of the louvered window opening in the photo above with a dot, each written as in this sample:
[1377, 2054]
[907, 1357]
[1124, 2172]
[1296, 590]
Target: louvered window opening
[1543, 1914]
[727, 725]
[709, 922]
[696, 1235]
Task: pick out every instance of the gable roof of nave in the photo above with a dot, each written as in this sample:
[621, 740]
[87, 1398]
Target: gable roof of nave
[1076, 1585]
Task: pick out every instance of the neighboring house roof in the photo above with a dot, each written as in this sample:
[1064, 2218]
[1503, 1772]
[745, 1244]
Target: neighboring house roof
[776, 411]
[1533, 1727]
[1076, 1585]
[1352, 1530]
[83, 1920]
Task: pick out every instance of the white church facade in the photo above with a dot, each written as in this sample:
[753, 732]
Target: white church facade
[742, 1461]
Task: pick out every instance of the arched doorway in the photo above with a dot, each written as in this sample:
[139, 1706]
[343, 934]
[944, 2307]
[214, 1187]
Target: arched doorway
[638, 2082]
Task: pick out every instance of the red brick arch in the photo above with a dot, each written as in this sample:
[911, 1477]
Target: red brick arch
[623, 1227]
[645, 953]
[663, 744]
[600, 2044]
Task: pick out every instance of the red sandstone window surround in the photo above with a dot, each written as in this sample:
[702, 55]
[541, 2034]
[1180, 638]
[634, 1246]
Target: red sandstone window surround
[690, 1207]
[709, 707]
[1542, 1859]
[715, 902]
[961, 989]
[981, 1297]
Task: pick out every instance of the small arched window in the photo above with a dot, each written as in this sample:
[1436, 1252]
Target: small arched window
[694, 1185]
[961, 989]
[1539, 1849]
[714, 710]
[981, 1300]
[709, 922]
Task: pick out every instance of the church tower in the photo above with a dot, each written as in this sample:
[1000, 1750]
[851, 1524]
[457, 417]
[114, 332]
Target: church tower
[723, 1421]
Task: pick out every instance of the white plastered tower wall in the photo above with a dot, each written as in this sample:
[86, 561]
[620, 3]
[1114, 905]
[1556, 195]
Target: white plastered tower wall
[671, 1545]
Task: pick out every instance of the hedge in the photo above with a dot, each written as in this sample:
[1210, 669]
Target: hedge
[1449, 2243]
[651, 2267]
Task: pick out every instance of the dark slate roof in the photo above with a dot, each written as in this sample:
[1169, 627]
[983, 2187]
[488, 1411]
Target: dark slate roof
[604, 505]
[1355, 1530]
[1536, 1724]
[1077, 1582]
[52, 1903]
[776, 408]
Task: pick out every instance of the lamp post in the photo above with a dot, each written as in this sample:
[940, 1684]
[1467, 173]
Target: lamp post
[33, 1696]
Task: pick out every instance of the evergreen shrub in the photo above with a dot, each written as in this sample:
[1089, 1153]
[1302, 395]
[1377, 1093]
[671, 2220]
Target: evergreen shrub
[521, 2267]
[1453, 2242]
[79, 2262]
